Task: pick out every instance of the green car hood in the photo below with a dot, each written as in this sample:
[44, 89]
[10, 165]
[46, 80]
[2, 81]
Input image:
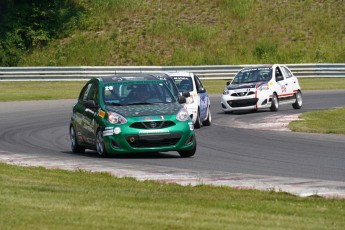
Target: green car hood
[146, 110]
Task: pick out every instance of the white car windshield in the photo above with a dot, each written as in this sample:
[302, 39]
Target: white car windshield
[183, 83]
[253, 75]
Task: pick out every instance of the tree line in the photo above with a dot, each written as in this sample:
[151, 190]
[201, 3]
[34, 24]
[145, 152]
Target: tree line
[32, 24]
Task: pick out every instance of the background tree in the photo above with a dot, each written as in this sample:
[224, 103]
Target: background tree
[25, 25]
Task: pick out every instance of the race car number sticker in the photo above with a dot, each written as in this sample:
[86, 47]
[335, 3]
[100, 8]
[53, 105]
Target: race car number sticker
[283, 89]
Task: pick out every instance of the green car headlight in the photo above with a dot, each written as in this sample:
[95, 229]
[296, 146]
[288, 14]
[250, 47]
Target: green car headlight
[182, 115]
[115, 118]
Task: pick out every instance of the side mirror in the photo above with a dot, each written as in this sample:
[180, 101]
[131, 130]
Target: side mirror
[91, 104]
[202, 90]
[186, 94]
[182, 100]
[228, 83]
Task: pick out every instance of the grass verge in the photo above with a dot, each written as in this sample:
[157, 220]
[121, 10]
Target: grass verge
[165, 32]
[322, 83]
[19, 91]
[25, 91]
[326, 121]
[37, 198]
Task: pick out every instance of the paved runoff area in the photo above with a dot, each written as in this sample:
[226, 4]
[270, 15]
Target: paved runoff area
[297, 186]
[275, 122]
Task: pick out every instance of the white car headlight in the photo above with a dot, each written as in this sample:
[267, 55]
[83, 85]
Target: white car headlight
[182, 115]
[264, 87]
[225, 91]
[115, 118]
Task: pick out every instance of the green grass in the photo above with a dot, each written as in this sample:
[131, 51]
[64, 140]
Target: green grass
[193, 32]
[326, 121]
[24, 91]
[37, 198]
[322, 83]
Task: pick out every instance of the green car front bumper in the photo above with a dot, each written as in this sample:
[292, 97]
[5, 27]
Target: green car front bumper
[143, 134]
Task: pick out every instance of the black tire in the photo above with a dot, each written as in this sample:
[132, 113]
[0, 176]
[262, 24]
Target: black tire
[100, 147]
[197, 124]
[76, 148]
[275, 103]
[207, 122]
[188, 153]
[298, 102]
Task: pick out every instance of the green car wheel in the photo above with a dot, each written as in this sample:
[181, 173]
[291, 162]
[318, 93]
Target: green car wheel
[188, 153]
[76, 148]
[100, 144]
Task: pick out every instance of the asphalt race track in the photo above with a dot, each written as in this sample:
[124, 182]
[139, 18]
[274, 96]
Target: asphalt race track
[243, 150]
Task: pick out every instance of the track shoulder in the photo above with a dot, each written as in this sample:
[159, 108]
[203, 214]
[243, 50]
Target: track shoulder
[296, 186]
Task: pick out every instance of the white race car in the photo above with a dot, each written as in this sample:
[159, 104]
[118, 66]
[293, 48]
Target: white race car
[198, 104]
[261, 87]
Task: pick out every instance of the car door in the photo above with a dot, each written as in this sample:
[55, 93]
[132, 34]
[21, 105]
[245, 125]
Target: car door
[281, 87]
[78, 114]
[290, 80]
[90, 112]
[204, 100]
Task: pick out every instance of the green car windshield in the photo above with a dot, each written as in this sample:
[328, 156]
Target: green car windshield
[253, 75]
[136, 93]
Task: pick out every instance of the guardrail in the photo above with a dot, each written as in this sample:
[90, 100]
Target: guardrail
[66, 73]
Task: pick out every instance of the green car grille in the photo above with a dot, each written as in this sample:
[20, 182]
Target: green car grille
[152, 125]
[153, 140]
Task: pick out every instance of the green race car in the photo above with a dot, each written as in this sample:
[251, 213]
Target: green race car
[130, 113]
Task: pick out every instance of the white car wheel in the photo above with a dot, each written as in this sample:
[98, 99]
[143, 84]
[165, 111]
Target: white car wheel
[207, 122]
[298, 102]
[197, 124]
[275, 103]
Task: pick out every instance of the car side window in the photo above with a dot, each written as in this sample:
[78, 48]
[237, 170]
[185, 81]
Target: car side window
[279, 75]
[85, 92]
[287, 73]
[198, 83]
[93, 93]
[89, 92]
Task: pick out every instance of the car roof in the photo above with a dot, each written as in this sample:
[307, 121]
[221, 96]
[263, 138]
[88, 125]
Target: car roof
[158, 74]
[261, 66]
[161, 75]
[181, 73]
[129, 77]
[257, 66]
